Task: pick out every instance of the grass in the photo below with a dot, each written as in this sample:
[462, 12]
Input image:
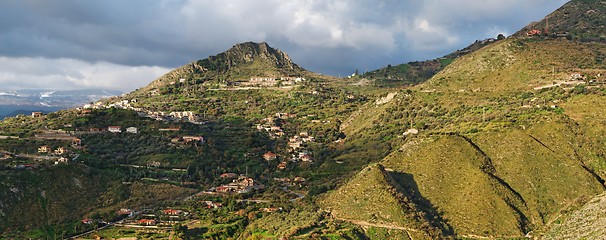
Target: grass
[372, 196]
[545, 172]
[511, 65]
[446, 178]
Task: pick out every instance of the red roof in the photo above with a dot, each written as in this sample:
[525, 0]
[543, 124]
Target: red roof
[228, 175]
[147, 221]
[171, 211]
[269, 155]
[533, 32]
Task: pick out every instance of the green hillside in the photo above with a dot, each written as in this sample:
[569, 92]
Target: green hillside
[520, 65]
[509, 138]
[413, 73]
[241, 62]
[580, 20]
[375, 198]
[456, 180]
[503, 139]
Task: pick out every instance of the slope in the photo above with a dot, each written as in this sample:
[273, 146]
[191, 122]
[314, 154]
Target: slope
[581, 20]
[456, 180]
[241, 62]
[520, 65]
[373, 197]
[585, 223]
[416, 72]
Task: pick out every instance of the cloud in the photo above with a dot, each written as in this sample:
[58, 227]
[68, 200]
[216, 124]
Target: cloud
[327, 36]
[71, 74]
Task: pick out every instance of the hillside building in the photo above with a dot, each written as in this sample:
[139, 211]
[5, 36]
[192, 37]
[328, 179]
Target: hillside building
[44, 149]
[114, 129]
[269, 156]
[132, 130]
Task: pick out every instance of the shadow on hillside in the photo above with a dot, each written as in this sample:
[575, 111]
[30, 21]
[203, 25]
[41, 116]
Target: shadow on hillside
[411, 189]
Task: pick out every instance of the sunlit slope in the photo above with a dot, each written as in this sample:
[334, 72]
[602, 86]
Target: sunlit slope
[457, 181]
[586, 223]
[518, 64]
[374, 198]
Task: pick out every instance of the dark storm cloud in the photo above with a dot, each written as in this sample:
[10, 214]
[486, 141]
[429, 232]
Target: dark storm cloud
[328, 36]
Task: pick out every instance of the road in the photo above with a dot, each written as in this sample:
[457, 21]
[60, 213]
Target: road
[104, 227]
[408, 230]
[91, 231]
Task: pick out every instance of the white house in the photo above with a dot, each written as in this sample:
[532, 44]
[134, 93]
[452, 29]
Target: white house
[132, 130]
[114, 129]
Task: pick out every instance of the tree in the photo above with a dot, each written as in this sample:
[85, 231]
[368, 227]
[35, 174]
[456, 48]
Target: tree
[179, 230]
[501, 37]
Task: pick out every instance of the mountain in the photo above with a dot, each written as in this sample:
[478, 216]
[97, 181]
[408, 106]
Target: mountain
[580, 20]
[506, 141]
[412, 73]
[26, 101]
[501, 142]
[239, 63]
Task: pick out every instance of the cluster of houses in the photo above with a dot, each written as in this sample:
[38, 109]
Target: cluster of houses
[48, 150]
[112, 129]
[188, 116]
[296, 181]
[60, 151]
[270, 81]
[118, 129]
[187, 139]
[296, 144]
[165, 216]
[239, 185]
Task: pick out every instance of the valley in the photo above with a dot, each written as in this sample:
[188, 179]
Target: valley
[501, 140]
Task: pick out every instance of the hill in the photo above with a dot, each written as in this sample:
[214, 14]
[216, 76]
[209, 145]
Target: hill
[239, 63]
[373, 197]
[413, 73]
[526, 64]
[579, 20]
[500, 142]
[585, 223]
[505, 141]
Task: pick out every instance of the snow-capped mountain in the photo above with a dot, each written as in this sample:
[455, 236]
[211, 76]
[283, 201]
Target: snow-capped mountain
[13, 102]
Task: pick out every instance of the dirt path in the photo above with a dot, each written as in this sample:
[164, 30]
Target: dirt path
[409, 230]
[367, 224]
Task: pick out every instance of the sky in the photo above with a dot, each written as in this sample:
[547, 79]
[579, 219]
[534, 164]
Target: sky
[124, 45]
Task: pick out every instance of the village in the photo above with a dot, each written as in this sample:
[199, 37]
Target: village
[296, 144]
[66, 143]
[63, 147]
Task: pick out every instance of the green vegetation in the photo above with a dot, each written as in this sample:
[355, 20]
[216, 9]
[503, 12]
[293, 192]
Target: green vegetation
[579, 20]
[499, 140]
[412, 73]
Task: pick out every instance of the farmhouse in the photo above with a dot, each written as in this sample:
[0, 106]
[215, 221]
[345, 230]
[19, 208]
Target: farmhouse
[114, 129]
[132, 130]
[44, 149]
[60, 151]
[270, 156]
